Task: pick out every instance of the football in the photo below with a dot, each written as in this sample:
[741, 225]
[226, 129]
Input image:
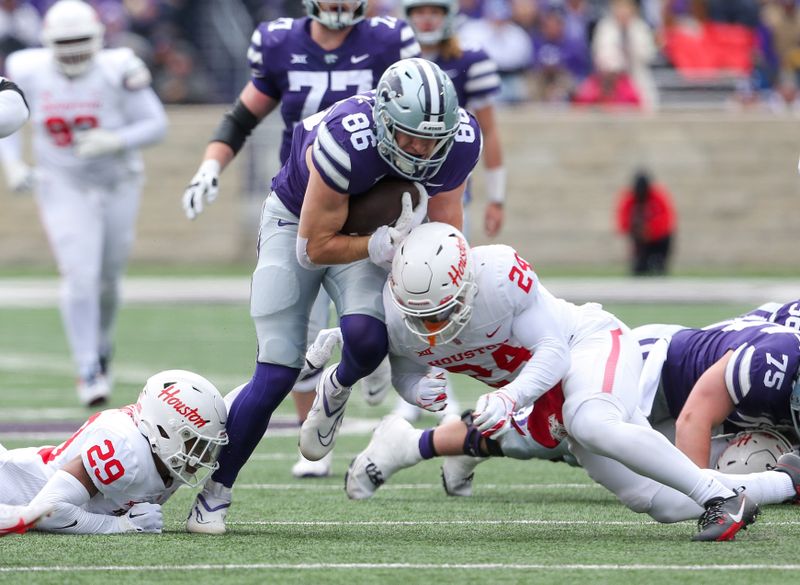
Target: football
[381, 205]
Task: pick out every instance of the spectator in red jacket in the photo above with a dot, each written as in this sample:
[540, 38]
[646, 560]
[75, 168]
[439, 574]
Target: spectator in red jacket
[645, 214]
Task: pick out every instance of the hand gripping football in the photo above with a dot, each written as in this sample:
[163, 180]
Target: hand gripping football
[381, 205]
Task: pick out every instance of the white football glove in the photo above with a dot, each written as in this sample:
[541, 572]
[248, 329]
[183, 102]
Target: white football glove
[97, 142]
[411, 217]
[204, 185]
[19, 176]
[319, 352]
[492, 413]
[383, 244]
[143, 517]
[432, 392]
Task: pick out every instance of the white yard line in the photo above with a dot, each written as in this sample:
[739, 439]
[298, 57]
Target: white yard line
[43, 292]
[313, 486]
[398, 566]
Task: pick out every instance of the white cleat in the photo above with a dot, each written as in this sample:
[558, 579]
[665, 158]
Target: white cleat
[394, 446]
[20, 519]
[318, 433]
[457, 474]
[376, 385]
[305, 468]
[94, 390]
[210, 507]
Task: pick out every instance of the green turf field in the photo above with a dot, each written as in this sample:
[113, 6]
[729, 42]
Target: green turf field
[528, 522]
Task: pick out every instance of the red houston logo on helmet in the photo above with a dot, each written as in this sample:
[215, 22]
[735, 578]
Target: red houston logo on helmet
[456, 273]
[170, 396]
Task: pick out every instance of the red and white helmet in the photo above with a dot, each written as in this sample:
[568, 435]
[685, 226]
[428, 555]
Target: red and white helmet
[433, 282]
[183, 417]
[752, 451]
[72, 29]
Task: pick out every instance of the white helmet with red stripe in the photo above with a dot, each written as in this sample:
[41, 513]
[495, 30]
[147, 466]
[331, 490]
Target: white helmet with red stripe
[433, 282]
[183, 417]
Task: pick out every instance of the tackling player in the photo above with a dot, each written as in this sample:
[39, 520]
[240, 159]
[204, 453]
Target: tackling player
[483, 312]
[115, 472]
[409, 127]
[302, 65]
[92, 109]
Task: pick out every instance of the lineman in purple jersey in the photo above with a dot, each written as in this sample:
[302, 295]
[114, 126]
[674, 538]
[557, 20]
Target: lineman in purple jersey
[740, 373]
[476, 80]
[304, 65]
[410, 127]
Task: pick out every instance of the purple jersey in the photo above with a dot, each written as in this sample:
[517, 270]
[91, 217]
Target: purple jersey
[474, 76]
[290, 67]
[344, 152]
[759, 376]
[787, 314]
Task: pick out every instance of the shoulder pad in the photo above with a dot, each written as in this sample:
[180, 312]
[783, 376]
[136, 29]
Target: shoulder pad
[272, 33]
[124, 69]
[20, 62]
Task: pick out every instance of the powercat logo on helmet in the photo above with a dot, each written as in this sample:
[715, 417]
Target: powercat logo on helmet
[170, 396]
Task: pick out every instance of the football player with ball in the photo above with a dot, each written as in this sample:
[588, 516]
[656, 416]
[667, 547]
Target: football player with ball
[410, 127]
[302, 66]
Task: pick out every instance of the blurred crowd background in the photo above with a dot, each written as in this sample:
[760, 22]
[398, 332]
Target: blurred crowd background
[638, 54]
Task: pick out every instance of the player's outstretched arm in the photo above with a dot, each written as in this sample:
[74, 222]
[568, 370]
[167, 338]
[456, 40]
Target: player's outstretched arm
[69, 489]
[494, 173]
[13, 109]
[250, 108]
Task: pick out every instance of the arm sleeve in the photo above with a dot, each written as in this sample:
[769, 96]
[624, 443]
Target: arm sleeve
[13, 109]
[149, 119]
[67, 495]
[536, 326]
[406, 374]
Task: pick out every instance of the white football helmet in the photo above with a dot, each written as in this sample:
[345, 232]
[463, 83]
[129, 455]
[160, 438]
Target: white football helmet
[414, 96]
[183, 417]
[752, 451]
[336, 14]
[73, 31]
[433, 282]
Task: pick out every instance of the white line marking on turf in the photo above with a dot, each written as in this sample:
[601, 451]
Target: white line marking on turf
[467, 523]
[415, 486]
[413, 566]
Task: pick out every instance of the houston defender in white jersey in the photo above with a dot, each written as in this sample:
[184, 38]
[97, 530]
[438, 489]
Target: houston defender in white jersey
[483, 312]
[114, 473]
[91, 111]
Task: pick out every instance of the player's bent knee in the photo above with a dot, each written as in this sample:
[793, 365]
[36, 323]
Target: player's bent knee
[274, 288]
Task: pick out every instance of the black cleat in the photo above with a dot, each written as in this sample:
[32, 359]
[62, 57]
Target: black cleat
[789, 463]
[724, 517]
